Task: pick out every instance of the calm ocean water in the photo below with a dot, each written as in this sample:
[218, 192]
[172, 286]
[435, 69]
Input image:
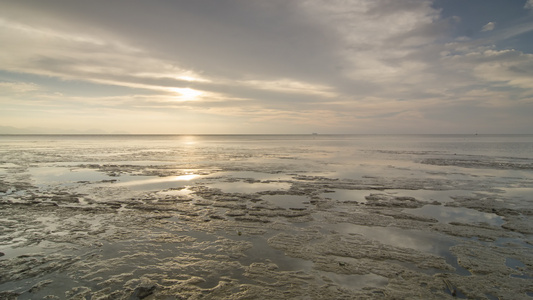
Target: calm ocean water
[493, 145]
[338, 156]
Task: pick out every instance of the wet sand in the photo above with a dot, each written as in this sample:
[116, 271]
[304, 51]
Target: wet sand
[189, 219]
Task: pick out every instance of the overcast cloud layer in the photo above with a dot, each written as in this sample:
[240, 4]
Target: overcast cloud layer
[241, 66]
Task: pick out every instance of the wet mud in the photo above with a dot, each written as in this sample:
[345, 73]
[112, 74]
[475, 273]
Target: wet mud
[205, 222]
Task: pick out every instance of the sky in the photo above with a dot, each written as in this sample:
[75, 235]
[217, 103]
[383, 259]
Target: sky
[266, 67]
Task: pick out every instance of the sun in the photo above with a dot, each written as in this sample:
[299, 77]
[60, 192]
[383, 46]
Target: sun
[187, 94]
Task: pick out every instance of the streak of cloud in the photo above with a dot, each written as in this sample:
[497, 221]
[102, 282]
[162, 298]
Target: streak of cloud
[489, 26]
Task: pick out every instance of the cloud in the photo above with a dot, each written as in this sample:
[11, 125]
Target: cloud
[510, 67]
[110, 59]
[529, 4]
[18, 87]
[387, 47]
[291, 86]
[488, 27]
[347, 61]
[53, 52]
[511, 32]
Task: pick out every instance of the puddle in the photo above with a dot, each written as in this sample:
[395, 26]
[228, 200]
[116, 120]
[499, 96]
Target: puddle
[15, 250]
[523, 193]
[348, 195]
[422, 195]
[433, 243]
[518, 266]
[184, 192]
[245, 187]
[430, 195]
[253, 175]
[504, 242]
[447, 214]
[64, 175]
[288, 201]
[261, 251]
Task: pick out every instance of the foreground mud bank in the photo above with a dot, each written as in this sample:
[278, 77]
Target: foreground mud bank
[206, 222]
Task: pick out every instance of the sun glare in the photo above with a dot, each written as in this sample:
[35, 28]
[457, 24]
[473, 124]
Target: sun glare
[187, 94]
[186, 177]
[189, 78]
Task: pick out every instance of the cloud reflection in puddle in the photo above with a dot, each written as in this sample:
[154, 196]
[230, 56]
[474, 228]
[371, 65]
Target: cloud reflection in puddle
[447, 214]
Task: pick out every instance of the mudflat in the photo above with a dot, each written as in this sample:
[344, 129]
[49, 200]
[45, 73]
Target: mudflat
[280, 217]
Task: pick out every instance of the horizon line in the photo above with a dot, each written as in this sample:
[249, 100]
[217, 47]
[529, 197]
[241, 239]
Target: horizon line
[243, 134]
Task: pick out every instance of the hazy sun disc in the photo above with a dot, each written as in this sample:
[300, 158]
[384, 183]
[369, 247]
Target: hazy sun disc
[187, 93]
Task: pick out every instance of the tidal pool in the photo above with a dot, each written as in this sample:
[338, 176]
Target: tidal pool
[355, 196]
[420, 240]
[61, 175]
[443, 196]
[456, 214]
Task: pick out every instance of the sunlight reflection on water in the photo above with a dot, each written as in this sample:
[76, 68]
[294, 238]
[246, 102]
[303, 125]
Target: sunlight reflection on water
[157, 183]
